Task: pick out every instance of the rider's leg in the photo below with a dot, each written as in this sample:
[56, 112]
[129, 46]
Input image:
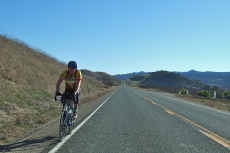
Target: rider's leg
[75, 110]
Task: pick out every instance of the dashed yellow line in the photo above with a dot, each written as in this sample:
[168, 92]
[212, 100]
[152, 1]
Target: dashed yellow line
[208, 133]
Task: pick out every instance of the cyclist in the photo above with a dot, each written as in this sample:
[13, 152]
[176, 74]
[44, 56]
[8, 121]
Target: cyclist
[72, 76]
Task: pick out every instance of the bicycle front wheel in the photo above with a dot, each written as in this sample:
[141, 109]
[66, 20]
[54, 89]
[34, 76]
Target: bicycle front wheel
[71, 121]
[62, 127]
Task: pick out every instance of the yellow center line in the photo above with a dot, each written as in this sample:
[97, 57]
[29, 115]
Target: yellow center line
[210, 134]
[216, 139]
[170, 112]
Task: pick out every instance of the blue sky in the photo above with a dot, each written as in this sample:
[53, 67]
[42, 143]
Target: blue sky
[124, 36]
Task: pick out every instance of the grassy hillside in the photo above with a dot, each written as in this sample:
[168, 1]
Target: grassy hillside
[106, 78]
[27, 85]
[127, 76]
[139, 78]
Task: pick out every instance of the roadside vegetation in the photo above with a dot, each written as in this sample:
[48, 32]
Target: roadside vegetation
[220, 93]
[27, 84]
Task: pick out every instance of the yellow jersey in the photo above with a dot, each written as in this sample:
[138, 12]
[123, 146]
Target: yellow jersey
[71, 80]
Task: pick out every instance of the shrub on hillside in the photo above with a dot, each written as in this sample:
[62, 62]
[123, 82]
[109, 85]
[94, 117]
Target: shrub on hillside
[219, 95]
[183, 91]
[205, 93]
[226, 95]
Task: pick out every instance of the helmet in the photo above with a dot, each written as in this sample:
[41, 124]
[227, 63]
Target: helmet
[72, 64]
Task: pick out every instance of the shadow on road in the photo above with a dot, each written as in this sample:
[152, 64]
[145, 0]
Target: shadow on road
[29, 144]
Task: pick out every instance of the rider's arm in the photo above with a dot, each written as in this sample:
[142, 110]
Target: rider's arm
[77, 88]
[78, 82]
[58, 84]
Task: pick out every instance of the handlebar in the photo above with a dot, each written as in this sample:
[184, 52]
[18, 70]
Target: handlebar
[57, 97]
[67, 96]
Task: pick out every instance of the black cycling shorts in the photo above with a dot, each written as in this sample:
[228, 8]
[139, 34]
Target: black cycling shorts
[67, 95]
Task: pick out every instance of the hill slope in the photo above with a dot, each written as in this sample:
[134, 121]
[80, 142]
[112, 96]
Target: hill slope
[27, 85]
[106, 78]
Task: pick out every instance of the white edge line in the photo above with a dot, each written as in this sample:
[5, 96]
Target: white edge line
[78, 127]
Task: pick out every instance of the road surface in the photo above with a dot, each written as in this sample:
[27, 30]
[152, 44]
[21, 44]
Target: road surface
[134, 120]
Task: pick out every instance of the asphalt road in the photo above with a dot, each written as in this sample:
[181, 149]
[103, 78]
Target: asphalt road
[134, 120]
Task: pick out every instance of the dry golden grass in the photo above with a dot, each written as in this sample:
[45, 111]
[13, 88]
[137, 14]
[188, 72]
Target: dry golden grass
[27, 85]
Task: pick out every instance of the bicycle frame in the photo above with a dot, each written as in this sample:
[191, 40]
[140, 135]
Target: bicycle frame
[68, 109]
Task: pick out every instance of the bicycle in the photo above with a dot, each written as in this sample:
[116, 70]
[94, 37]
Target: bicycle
[66, 120]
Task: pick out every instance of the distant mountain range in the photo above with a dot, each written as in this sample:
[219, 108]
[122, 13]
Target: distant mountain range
[220, 79]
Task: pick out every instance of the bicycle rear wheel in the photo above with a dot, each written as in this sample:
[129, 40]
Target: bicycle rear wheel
[62, 127]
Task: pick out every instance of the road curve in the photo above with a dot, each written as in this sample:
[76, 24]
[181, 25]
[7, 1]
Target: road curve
[133, 120]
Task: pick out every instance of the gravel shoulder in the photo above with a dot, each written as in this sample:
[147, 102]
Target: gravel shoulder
[43, 138]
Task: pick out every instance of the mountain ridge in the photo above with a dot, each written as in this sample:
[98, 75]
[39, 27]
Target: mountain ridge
[220, 79]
